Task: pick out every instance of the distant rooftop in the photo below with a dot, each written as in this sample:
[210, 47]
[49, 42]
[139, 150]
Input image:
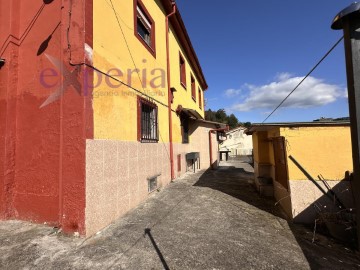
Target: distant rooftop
[236, 129]
[266, 126]
[324, 119]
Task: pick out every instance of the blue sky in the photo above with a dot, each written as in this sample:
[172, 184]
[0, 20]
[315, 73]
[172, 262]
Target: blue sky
[254, 52]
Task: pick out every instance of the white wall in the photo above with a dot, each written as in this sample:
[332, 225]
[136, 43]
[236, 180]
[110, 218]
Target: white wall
[238, 142]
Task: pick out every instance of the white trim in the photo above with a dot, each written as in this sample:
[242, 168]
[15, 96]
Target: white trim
[143, 18]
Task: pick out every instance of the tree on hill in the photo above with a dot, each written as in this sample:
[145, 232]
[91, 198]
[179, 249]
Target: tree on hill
[210, 115]
[221, 117]
[232, 121]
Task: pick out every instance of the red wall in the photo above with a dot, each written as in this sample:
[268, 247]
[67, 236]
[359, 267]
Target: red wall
[42, 150]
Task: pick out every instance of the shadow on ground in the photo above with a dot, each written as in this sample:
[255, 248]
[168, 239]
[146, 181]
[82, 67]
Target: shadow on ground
[236, 178]
[238, 183]
[203, 220]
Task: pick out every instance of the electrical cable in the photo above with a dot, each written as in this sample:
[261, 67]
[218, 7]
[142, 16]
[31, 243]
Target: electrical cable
[123, 83]
[127, 45]
[137, 70]
[102, 72]
[307, 75]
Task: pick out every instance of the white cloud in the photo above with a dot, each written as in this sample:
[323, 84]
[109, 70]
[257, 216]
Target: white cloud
[283, 76]
[232, 93]
[312, 92]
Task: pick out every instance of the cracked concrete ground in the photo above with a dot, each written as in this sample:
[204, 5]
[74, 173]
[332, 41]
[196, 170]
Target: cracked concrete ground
[207, 220]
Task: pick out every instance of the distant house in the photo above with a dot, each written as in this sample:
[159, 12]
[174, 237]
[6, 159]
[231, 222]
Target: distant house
[237, 142]
[321, 148]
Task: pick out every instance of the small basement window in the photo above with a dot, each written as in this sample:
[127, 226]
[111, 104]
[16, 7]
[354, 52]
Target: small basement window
[152, 184]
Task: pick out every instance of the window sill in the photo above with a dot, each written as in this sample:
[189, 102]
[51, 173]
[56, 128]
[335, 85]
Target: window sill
[150, 49]
[194, 99]
[149, 141]
[151, 192]
[183, 85]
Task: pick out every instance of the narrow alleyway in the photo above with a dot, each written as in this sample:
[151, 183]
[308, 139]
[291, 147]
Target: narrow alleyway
[207, 220]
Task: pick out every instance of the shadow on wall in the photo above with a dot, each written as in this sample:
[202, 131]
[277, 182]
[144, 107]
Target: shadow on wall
[320, 251]
[329, 219]
[45, 44]
[329, 203]
[329, 216]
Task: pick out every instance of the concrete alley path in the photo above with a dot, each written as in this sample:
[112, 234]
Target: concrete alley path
[207, 220]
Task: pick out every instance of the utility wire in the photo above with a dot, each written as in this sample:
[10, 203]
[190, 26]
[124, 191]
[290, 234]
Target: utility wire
[106, 74]
[137, 70]
[125, 84]
[127, 45]
[307, 75]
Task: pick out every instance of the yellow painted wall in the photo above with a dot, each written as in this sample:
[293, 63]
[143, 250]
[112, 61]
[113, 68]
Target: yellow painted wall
[320, 150]
[263, 150]
[115, 109]
[273, 133]
[255, 146]
[182, 96]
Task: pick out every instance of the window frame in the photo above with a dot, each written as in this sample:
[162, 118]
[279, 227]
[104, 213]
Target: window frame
[182, 67]
[152, 47]
[150, 179]
[141, 137]
[185, 129]
[193, 87]
[179, 162]
[200, 97]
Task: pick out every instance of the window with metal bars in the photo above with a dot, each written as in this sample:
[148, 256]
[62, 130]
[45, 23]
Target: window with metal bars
[147, 121]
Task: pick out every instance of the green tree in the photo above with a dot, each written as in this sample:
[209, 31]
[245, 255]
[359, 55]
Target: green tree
[247, 124]
[221, 116]
[232, 121]
[210, 115]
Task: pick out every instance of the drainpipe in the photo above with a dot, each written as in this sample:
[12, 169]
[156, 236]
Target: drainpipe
[210, 141]
[169, 91]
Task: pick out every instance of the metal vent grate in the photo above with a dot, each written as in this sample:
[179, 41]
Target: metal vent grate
[152, 184]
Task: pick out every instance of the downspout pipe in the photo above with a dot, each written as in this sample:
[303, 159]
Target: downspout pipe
[210, 142]
[169, 91]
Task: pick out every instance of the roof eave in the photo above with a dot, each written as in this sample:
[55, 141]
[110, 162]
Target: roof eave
[257, 126]
[181, 32]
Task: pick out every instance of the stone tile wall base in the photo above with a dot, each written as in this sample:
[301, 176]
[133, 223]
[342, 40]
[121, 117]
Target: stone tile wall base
[117, 175]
